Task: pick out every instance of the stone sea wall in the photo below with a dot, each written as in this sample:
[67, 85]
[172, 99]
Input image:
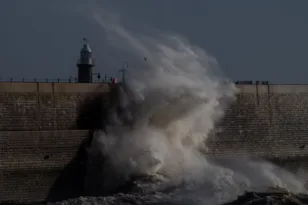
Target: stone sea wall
[266, 121]
[44, 126]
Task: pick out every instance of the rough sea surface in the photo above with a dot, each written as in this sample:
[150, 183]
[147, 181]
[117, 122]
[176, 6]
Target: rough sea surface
[250, 198]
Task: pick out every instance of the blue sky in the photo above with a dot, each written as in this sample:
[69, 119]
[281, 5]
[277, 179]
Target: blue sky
[252, 40]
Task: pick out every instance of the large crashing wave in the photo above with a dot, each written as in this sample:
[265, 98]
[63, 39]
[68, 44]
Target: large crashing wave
[156, 136]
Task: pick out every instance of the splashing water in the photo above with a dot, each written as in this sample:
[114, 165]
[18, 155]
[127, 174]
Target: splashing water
[169, 105]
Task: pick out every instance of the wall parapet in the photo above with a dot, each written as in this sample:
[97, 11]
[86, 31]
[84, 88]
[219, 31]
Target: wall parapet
[273, 88]
[53, 87]
[106, 79]
[43, 87]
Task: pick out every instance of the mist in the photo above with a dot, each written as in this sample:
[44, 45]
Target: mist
[174, 95]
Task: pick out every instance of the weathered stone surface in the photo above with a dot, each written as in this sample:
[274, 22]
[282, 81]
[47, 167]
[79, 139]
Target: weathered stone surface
[266, 125]
[45, 106]
[35, 163]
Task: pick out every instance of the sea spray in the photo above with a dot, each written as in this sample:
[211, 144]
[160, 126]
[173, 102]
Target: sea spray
[168, 106]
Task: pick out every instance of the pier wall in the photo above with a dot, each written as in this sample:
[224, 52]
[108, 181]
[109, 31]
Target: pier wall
[43, 127]
[47, 106]
[266, 121]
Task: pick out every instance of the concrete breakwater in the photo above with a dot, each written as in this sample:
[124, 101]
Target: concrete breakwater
[44, 126]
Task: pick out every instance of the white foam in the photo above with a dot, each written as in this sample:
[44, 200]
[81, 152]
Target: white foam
[178, 94]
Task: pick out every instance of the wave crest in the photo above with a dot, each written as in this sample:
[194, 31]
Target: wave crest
[156, 135]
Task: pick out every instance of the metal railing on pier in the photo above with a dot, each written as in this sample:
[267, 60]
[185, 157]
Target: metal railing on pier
[99, 79]
[250, 82]
[53, 80]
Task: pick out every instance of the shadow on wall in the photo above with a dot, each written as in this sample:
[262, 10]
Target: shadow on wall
[92, 115]
[70, 183]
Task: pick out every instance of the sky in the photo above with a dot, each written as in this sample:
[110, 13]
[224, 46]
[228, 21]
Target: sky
[251, 40]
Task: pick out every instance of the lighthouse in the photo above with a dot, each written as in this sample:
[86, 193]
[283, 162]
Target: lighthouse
[85, 64]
